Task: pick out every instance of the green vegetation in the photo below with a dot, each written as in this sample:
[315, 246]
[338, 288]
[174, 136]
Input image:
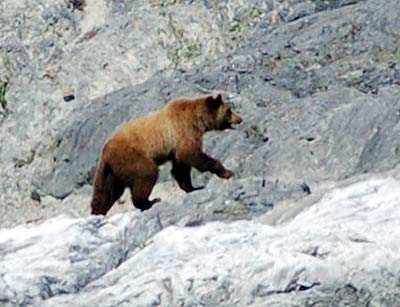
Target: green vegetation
[236, 26]
[22, 162]
[385, 55]
[4, 87]
[183, 48]
[397, 55]
[323, 5]
[248, 18]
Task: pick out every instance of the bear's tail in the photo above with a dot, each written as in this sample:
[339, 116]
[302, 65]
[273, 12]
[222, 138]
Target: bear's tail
[101, 194]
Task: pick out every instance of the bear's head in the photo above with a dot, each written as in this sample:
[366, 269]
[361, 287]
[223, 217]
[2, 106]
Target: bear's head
[220, 115]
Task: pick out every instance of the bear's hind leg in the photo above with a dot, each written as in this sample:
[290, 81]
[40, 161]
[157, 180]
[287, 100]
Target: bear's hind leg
[117, 191]
[142, 187]
[106, 196]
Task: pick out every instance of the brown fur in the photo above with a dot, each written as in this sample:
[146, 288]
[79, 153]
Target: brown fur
[130, 158]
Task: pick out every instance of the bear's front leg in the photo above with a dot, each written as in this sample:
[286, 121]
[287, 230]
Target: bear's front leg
[190, 152]
[204, 163]
[181, 173]
[215, 166]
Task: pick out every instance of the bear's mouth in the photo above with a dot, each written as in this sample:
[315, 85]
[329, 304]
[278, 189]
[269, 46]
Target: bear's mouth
[232, 126]
[235, 121]
[228, 125]
[235, 124]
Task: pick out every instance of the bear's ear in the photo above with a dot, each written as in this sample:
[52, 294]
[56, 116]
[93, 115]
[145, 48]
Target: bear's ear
[214, 101]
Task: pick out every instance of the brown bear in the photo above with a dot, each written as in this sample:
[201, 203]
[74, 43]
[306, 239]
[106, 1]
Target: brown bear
[130, 158]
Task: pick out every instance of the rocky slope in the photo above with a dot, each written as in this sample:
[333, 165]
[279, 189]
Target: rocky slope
[318, 85]
[338, 252]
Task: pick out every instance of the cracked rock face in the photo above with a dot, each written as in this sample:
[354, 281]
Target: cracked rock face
[309, 218]
[317, 83]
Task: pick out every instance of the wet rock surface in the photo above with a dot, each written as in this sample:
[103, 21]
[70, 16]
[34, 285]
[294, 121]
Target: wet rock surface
[318, 86]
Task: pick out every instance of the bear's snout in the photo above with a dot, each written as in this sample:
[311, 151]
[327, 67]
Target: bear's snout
[235, 119]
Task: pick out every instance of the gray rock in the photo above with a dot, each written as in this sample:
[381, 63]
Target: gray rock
[322, 256]
[300, 85]
[318, 86]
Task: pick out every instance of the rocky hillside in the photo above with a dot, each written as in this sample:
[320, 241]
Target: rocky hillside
[318, 86]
